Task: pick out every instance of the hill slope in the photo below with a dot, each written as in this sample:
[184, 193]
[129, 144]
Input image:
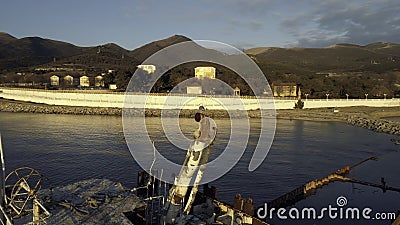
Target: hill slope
[30, 51]
[5, 38]
[147, 50]
[338, 58]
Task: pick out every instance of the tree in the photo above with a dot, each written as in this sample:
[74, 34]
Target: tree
[109, 78]
[299, 104]
[122, 79]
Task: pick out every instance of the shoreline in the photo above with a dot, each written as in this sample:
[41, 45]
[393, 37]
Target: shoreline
[367, 117]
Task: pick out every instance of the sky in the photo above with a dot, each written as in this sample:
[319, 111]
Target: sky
[241, 23]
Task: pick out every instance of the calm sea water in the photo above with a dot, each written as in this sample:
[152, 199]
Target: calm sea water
[68, 148]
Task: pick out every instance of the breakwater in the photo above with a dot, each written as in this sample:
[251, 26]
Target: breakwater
[377, 125]
[370, 118]
[27, 107]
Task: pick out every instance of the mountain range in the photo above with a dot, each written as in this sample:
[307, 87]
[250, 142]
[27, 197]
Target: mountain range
[317, 69]
[17, 54]
[377, 57]
[33, 51]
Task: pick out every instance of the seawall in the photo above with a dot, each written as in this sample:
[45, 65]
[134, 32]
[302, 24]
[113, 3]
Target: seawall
[105, 99]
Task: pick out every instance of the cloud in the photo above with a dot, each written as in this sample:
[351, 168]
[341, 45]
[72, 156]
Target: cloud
[253, 25]
[246, 7]
[338, 21]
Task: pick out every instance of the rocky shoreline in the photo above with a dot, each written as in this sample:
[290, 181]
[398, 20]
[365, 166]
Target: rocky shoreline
[27, 107]
[366, 117]
[378, 125]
